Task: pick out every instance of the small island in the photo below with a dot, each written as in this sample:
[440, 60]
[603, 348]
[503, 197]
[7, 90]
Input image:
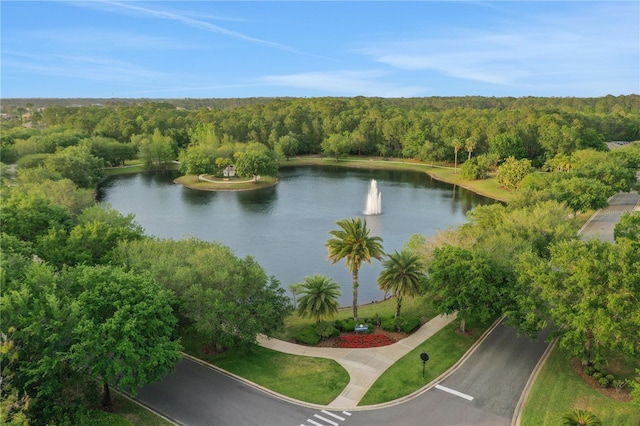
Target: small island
[212, 183]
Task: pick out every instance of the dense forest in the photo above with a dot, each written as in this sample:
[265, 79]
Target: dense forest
[89, 299]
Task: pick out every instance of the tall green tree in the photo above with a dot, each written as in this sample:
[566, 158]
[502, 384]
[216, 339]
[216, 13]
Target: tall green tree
[353, 243]
[39, 312]
[512, 171]
[78, 164]
[124, 334]
[628, 228]
[227, 299]
[29, 216]
[402, 275]
[318, 297]
[254, 164]
[589, 291]
[470, 283]
[287, 146]
[336, 146]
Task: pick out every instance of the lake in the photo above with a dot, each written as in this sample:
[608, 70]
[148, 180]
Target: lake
[285, 227]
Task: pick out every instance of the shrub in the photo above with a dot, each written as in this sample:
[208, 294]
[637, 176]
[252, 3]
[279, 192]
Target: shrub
[326, 329]
[409, 324]
[589, 370]
[604, 382]
[388, 324]
[597, 375]
[308, 336]
[348, 325]
[610, 377]
[618, 384]
[474, 169]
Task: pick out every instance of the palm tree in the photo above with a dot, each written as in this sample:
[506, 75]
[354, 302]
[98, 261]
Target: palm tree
[319, 297]
[470, 145]
[457, 144]
[577, 417]
[353, 243]
[401, 275]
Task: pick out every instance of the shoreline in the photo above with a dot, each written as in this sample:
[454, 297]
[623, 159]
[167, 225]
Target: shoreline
[190, 181]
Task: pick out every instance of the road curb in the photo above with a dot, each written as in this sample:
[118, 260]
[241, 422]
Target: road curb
[524, 396]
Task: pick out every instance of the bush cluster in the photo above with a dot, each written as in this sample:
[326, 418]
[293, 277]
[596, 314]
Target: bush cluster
[314, 333]
[403, 324]
[603, 378]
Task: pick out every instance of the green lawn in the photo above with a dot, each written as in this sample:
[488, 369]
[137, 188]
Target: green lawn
[125, 412]
[315, 380]
[559, 389]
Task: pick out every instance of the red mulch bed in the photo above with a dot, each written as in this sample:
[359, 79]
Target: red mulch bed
[378, 337]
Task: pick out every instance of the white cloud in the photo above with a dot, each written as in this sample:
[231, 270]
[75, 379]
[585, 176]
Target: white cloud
[184, 18]
[573, 48]
[354, 83]
[85, 67]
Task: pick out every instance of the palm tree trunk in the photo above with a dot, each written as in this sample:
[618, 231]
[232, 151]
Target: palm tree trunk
[398, 305]
[355, 295]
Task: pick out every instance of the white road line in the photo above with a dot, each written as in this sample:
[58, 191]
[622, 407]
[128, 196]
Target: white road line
[346, 413]
[324, 419]
[315, 423]
[454, 392]
[329, 413]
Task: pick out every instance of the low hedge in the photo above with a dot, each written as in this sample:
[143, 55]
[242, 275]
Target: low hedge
[308, 336]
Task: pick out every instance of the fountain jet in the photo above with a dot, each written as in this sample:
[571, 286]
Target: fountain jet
[374, 200]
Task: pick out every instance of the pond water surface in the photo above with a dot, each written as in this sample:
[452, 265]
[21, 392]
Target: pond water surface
[285, 227]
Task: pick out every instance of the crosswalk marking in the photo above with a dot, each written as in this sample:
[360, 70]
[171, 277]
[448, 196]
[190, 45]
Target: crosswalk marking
[324, 419]
[329, 413]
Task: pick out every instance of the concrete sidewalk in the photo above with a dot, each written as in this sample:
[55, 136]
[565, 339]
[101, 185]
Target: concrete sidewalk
[363, 365]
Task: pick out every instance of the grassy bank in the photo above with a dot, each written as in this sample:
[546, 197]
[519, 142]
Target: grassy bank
[558, 389]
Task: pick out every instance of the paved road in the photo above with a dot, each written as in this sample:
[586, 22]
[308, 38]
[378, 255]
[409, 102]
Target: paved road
[494, 376]
[196, 395]
[601, 224]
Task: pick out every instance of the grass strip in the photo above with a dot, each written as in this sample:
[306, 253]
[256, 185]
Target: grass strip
[558, 389]
[404, 377]
[125, 413]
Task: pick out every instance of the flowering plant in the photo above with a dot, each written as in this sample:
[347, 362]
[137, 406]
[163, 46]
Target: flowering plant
[362, 340]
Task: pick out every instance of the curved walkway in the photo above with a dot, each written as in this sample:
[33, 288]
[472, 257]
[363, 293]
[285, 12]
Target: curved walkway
[363, 365]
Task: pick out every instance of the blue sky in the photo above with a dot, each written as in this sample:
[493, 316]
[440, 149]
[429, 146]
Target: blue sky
[216, 49]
